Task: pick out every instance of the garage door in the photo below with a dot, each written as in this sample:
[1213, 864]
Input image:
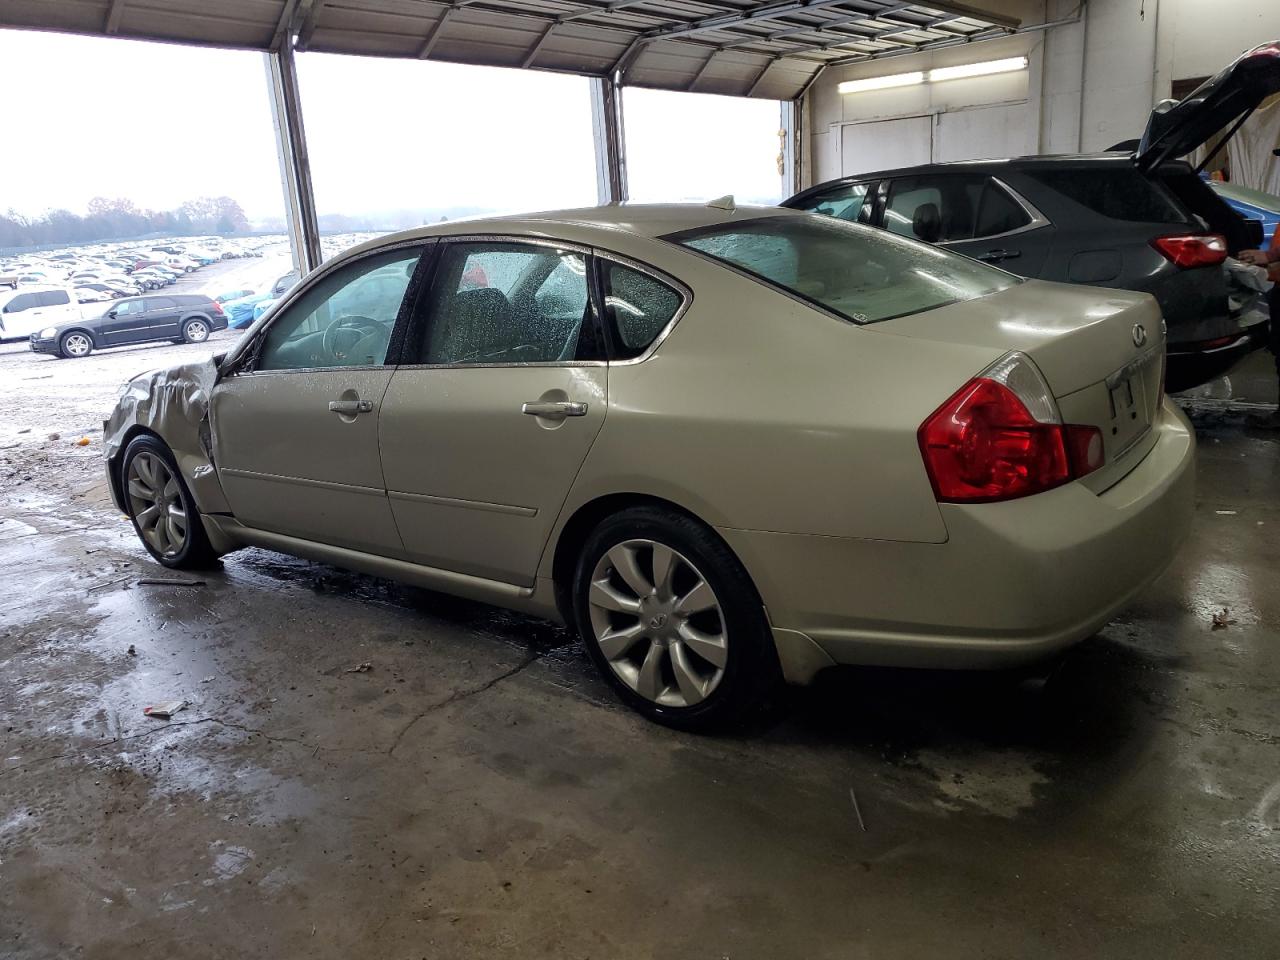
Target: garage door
[885, 145]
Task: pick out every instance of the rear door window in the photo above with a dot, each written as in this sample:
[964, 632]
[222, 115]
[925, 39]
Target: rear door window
[54, 298]
[950, 207]
[507, 303]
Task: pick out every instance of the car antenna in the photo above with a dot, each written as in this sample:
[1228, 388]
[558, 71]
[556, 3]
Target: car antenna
[723, 203]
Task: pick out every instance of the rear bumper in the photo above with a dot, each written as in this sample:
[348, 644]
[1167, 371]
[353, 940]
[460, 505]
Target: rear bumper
[1013, 583]
[1191, 365]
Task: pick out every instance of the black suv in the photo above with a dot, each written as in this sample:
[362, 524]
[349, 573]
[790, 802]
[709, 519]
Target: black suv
[181, 318]
[1137, 220]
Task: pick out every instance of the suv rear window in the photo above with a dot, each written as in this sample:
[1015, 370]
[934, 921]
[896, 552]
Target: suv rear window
[859, 273]
[1119, 194]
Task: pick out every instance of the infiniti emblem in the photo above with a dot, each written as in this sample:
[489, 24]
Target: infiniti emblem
[1139, 334]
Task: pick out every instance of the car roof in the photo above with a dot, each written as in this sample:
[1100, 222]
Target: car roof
[592, 224]
[990, 166]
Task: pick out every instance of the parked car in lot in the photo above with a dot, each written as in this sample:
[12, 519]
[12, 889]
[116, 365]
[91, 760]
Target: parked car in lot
[179, 318]
[230, 295]
[28, 308]
[240, 312]
[1137, 221]
[949, 465]
[89, 295]
[1252, 205]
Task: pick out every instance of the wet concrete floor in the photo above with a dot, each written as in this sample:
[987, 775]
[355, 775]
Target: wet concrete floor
[478, 793]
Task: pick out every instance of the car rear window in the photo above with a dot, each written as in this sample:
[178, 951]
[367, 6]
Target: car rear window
[859, 273]
[1121, 194]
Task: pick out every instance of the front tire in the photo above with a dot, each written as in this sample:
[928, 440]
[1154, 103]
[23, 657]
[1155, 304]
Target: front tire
[195, 331]
[161, 507]
[75, 344]
[671, 619]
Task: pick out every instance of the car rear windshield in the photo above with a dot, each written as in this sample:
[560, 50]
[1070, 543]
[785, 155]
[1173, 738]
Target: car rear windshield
[857, 272]
[1121, 194]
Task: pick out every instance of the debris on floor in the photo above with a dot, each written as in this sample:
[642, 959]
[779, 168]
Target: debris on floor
[1226, 513]
[360, 668]
[1223, 619]
[854, 797]
[82, 442]
[207, 680]
[55, 436]
[163, 711]
[163, 582]
[132, 651]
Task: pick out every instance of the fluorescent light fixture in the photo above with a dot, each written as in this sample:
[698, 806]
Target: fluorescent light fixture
[881, 83]
[984, 69]
[937, 75]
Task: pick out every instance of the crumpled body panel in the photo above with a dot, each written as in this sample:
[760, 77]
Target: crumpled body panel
[174, 404]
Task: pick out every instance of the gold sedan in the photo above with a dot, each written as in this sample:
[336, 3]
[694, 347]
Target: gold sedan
[728, 446]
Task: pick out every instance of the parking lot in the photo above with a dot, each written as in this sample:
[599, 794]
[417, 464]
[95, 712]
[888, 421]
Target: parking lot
[371, 769]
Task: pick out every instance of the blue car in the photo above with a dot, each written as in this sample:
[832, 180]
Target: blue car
[240, 313]
[1252, 204]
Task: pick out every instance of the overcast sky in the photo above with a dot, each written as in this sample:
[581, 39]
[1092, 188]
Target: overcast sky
[160, 123]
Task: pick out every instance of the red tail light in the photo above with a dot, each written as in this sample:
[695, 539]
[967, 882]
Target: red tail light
[1193, 249]
[984, 445]
[217, 307]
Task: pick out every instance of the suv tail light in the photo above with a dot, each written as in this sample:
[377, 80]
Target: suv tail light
[1193, 249]
[1000, 437]
[217, 307]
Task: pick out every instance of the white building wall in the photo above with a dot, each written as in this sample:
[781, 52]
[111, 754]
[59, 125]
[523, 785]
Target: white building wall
[1089, 85]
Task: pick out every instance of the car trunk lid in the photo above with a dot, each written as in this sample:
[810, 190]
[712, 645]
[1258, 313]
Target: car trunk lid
[1100, 351]
[1178, 127]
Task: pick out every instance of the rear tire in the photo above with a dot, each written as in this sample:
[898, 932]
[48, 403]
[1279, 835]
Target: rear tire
[673, 622]
[75, 344]
[163, 512]
[195, 331]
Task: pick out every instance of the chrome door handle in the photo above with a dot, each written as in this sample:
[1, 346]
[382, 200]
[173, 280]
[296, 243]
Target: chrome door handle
[554, 408]
[349, 408]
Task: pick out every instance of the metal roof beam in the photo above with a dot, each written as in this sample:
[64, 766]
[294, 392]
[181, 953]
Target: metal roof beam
[775, 10]
[827, 26]
[113, 16]
[760, 76]
[307, 22]
[989, 33]
[532, 55]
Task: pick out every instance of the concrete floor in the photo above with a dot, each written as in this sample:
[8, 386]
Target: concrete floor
[478, 792]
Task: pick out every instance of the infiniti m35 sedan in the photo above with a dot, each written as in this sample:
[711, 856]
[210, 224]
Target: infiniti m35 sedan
[729, 446]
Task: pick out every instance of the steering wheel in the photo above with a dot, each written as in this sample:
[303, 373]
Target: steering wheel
[351, 330]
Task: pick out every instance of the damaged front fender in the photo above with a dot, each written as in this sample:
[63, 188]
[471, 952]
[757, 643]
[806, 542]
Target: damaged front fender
[172, 403]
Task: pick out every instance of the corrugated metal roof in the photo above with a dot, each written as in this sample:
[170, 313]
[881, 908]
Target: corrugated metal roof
[761, 48]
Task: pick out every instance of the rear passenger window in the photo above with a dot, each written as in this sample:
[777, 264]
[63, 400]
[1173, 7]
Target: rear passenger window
[639, 307]
[54, 298]
[503, 303]
[1121, 194]
[850, 202]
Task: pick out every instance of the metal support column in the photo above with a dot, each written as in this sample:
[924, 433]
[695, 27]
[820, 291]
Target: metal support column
[611, 147]
[295, 164]
[789, 147]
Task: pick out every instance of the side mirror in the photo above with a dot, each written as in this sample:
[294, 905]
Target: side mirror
[111, 313]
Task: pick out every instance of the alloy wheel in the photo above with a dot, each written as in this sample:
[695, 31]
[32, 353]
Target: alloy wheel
[658, 623]
[77, 345]
[197, 331]
[156, 503]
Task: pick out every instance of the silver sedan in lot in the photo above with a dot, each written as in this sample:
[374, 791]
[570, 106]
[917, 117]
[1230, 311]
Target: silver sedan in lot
[728, 446]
